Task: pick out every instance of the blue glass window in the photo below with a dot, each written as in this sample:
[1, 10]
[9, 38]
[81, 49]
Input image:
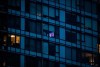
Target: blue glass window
[45, 10]
[72, 19]
[74, 3]
[94, 23]
[62, 2]
[32, 8]
[71, 37]
[52, 49]
[88, 6]
[14, 4]
[62, 33]
[33, 44]
[68, 3]
[94, 9]
[88, 40]
[33, 26]
[30, 44]
[14, 22]
[62, 16]
[88, 23]
[51, 12]
[62, 52]
[68, 53]
[45, 48]
[51, 31]
[30, 26]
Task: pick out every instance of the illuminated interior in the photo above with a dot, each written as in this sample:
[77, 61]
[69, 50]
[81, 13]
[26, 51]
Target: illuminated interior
[5, 38]
[15, 40]
[4, 64]
[90, 58]
[99, 48]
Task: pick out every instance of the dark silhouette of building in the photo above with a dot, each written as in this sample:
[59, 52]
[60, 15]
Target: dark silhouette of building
[49, 33]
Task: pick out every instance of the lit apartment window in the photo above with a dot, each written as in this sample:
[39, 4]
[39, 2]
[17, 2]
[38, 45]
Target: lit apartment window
[86, 57]
[99, 48]
[3, 39]
[48, 33]
[90, 58]
[51, 34]
[15, 40]
[50, 30]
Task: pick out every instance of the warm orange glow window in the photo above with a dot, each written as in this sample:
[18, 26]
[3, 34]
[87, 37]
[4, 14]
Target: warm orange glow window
[99, 48]
[15, 39]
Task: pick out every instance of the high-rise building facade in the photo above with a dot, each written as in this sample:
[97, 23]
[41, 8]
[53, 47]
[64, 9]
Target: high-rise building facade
[49, 33]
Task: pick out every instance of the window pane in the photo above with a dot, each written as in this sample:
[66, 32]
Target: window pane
[51, 12]
[52, 49]
[32, 45]
[32, 8]
[68, 53]
[62, 51]
[14, 4]
[62, 2]
[68, 3]
[87, 6]
[95, 42]
[87, 23]
[14, 22]
[38, 46]
[45, 48]
[45, 10]
[74, 54]
[74, 3]
[94, 23]
[30, 26]
[88, 40]
[27, 43]
[71, 19]
[62, 16]
[94, 9]
[62, 33]
[15, 40]
[39, 27]
[71, 37]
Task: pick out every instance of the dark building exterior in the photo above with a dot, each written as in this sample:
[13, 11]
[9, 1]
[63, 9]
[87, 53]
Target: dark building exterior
[49, 33]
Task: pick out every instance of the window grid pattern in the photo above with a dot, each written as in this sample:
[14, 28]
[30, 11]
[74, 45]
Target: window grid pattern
[50, 32]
